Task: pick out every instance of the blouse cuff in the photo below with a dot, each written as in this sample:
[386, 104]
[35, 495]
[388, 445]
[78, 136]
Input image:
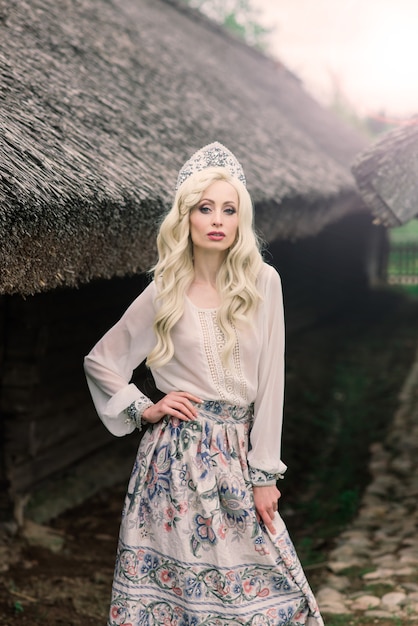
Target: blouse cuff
[114, 413]
[136, 410]
[261, 478]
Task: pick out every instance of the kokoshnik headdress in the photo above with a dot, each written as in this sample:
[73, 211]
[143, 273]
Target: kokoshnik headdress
[212, 155]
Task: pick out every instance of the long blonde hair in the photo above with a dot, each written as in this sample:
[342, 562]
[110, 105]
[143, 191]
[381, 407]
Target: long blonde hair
[174, 272]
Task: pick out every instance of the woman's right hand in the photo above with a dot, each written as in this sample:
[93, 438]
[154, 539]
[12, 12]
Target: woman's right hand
[176, 403]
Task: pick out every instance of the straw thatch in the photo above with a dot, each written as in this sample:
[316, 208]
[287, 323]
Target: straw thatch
[101, 102]
[387, 176]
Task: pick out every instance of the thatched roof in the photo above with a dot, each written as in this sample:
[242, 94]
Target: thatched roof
[100, 104]
[387, 175]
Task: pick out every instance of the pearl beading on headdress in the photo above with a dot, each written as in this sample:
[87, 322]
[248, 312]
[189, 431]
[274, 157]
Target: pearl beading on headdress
[212, 155]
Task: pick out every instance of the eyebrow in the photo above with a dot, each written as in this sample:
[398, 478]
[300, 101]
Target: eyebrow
[213, 202]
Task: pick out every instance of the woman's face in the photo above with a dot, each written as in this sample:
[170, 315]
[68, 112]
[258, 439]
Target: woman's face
[214, 220]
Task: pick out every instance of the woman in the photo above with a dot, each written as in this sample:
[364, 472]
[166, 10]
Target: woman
[201, 541]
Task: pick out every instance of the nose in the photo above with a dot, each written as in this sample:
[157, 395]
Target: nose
[217, 217]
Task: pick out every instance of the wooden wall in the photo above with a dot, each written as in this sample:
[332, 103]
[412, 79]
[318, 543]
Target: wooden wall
[48, 423]
[5, 504]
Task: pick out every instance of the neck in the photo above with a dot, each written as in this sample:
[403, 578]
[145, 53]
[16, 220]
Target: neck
[206, 266]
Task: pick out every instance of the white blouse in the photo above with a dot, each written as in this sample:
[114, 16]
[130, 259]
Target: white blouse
[256, 373]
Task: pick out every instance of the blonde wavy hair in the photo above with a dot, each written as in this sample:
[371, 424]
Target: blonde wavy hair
[174, 272]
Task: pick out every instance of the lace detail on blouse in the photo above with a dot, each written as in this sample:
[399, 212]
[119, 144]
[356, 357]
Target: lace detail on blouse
[229, 383]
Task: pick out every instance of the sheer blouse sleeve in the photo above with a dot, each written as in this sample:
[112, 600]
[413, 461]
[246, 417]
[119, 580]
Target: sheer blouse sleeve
[110, 364]
[265, 437]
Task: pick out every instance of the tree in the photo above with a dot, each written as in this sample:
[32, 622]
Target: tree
[237, 16]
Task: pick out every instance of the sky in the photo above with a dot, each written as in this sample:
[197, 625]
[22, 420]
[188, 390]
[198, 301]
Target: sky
[367, 49]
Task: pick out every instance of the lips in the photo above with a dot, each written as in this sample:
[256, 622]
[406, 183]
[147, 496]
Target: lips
[216, 235]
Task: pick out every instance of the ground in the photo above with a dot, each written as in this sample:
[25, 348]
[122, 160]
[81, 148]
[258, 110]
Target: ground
[69, 584]
[352, 366]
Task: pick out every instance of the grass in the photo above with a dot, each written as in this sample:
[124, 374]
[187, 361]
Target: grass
[378, 589]
[350, 620]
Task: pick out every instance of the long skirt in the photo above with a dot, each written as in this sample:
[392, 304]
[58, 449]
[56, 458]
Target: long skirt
[191, 551]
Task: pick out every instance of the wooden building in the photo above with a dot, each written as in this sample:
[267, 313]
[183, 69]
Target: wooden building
[387, 175]
[101, 103]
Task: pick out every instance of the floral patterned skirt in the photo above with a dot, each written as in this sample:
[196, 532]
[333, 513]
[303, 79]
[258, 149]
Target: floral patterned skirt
[191, 551]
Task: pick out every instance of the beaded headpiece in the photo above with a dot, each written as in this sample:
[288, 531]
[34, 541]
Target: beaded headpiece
[212, 155]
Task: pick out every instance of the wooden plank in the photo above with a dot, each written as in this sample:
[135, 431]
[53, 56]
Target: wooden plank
[35, 434]
[30, 471]
[106, 467]
[6, 505]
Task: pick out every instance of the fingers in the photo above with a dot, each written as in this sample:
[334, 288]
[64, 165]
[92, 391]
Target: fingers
[190, 396]
[181, 410]
[177, 404]
[185, 408]
[266, 504]
[181, 404]
[268, 522]
[267, 518]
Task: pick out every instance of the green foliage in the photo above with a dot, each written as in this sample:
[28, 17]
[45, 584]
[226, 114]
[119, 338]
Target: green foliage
[403, 257]
[407, 232]
[18, 607]
[411, 290]
[237, 16]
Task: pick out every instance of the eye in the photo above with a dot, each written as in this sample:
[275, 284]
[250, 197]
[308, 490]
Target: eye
[230, 210]
[204, 208]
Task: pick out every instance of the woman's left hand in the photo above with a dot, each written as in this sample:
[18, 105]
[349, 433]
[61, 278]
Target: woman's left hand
[266, 504]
